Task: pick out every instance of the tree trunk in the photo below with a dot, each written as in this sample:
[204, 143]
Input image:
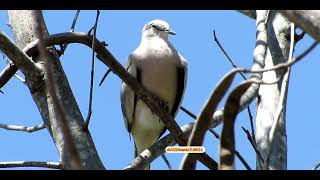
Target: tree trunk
[278, 50]
[23, 27]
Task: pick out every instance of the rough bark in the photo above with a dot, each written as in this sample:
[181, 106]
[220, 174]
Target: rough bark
[308, 20]
[23, 27]
[277, 52]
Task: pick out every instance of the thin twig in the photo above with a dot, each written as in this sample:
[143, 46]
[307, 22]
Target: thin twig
[64, 46]
[166, 161]
[282, 100]
[195, 117]
[316, 166]
[22, 128]
[52, 165]
[20, 79]
[218, 137]
[307, 51]
[92, 71]
[104, 77]
[242, 75]
[253, 144]
[226, 54]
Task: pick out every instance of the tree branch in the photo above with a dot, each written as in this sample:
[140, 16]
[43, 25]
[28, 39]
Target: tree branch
[22, 128]
[94, 28]
[19, 58]
[52, 165]
[151, 100]
[282, 101]
[308, 20]
[70, 156]
[202, 123]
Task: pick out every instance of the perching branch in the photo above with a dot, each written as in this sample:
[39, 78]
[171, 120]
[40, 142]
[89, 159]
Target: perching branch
[22, 128]
[94, 28]
[151, 100]
[51, 165]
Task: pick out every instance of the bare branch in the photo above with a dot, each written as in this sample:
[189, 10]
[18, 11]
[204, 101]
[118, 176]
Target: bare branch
[231, 110]
[7, 73]
[242, 75]
[51, 165]
[165, 159]
[282, 101]
[195, 118]
[104, 76]
[19, 58]
[202, 123]
[258, 63]
[22, 128]
[308, 20]
[316, 166]
[94, 28]
[23, 26]
[250, 13]
[239, 156]
[64, 46]
[70, 150]
[151, 100]
[254, 145]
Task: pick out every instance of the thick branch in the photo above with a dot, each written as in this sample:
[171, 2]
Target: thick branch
[23, 25]
[308, 20]
[69, 155]
[18, 57]
[52, 165]
[250, 13]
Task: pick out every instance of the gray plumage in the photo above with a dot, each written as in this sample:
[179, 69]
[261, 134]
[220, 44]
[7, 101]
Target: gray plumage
[163, 71]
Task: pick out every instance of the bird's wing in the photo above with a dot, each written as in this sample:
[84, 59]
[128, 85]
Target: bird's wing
[127, 95]
[182, 75]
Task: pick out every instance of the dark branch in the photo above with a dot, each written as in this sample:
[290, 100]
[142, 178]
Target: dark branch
[94, 28]
[52, 165]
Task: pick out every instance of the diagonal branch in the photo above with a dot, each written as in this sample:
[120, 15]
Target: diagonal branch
[282, 101]
[19, 58]
[202, 123]
[22, 128]
[52, 165]
[151, 100]
[243, 76]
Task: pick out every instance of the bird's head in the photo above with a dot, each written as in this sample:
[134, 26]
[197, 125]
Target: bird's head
[157, 28]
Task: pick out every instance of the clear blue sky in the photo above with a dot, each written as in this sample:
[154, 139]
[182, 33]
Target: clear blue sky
[194, 40]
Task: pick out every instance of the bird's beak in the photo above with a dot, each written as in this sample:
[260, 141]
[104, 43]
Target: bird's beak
[170, 31]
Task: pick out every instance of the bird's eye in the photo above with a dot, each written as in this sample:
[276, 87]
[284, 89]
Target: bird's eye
[154, 26]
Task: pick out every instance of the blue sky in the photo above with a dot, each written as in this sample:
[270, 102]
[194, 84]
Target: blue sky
[121, 30]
